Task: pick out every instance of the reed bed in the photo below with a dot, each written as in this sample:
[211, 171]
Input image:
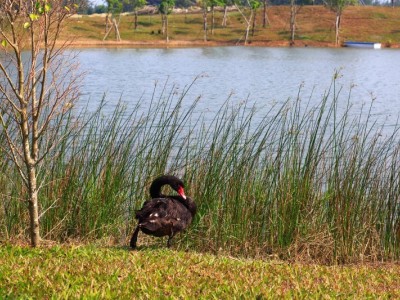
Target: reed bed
[300, 182]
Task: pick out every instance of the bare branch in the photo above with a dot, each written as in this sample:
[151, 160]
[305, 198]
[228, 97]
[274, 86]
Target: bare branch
[10, 81]
[7, 98]
[14, 153]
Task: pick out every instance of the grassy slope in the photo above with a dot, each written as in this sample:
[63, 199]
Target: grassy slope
[90, 272]
[315, 27]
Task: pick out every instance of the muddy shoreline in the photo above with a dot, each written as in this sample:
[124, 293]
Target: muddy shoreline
[190, 44]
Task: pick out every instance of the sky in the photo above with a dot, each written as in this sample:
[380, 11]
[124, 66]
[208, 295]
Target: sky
[97, 2]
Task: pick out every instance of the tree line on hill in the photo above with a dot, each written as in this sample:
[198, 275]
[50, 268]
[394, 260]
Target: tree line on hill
[247, 8]
[129, 5]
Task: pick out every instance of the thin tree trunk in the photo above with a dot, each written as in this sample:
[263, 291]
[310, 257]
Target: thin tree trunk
[166, 27]
[117, 35]
[205, 22]
[30, 153]
[265, 16]
[106, 27]
[248, 27]
[33, 208]
[293, 11]
[337, 28]
[163, 24]
[212, 20]
[253, 27]
[30, 162]
[30, 150]
[135, 20]
[107, 33]
[248, 22]
[224, 19]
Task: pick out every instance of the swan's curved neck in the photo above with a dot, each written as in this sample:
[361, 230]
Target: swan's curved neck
[173, 182]
[155, 188]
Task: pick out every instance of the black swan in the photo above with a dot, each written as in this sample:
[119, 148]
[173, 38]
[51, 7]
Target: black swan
[164, 215]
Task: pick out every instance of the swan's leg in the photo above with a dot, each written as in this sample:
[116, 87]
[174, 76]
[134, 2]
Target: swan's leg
[170, 239]
[134, 238]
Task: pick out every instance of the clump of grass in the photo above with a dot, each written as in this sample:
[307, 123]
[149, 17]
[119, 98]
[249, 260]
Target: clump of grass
[299, 182]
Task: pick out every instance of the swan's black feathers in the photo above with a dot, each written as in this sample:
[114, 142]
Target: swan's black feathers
[152, 206]
[164, 215]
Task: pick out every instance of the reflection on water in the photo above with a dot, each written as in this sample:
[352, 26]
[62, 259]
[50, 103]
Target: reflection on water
[264, 75]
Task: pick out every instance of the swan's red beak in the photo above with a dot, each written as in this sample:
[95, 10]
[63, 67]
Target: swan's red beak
[181, 192]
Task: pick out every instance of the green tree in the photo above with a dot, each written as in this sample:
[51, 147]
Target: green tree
[225, 4]
[213, 4]
[165, 8]
[254, 6]
[113, 17]
[100, 9]
[37, 90]
[338, 6]
[134, 6]
[204, 4]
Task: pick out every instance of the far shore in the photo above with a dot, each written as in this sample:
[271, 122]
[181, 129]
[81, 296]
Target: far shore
[86, 43]
[315, 27]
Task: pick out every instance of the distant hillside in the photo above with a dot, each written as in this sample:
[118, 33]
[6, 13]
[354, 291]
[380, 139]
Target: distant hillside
[315, 27]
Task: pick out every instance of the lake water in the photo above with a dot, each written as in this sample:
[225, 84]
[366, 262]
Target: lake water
[263, 75]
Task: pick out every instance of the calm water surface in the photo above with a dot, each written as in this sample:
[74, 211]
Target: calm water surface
[264, 75]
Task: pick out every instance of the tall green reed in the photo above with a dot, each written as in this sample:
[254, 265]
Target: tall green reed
[298, 181]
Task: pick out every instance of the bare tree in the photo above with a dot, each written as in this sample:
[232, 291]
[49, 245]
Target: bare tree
[205, 3]
[38, 87]
[294, 9]
[253, 5]
[338, 6]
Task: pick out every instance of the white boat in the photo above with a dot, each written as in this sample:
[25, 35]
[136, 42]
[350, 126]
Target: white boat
[363, 45]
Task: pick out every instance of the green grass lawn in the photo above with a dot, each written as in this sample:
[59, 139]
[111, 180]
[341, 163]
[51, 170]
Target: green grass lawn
[90, 272]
